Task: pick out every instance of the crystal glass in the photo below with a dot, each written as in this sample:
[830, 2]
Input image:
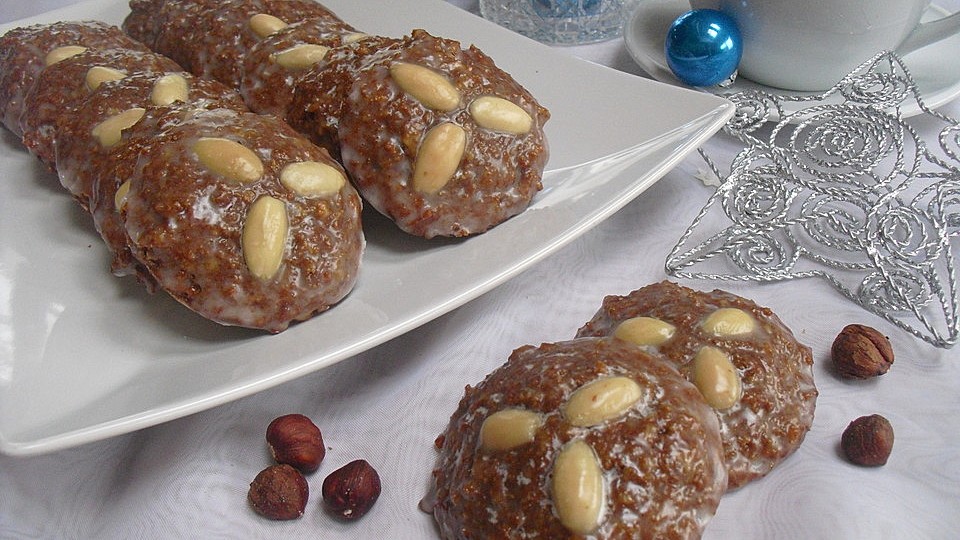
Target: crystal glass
[559, 22]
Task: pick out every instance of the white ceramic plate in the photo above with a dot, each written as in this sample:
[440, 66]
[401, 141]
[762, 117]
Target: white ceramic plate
[85, 356]
[935, 68]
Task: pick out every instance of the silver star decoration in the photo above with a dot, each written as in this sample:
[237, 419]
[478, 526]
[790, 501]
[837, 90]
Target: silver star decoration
[842, 189]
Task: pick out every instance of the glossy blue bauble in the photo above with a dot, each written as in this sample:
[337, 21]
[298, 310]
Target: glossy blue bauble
[703, 47]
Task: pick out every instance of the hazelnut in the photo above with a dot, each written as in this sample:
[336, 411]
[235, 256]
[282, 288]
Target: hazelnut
[861, 352]
[279, 492]
[351, 490]
[296, 441]
[868, 441]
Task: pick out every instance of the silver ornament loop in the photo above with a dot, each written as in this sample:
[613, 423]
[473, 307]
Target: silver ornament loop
[762, 254]
[881, 90]
[761, 195]
[902, 236]
[950, 141]
[900, 290]
[842, 148]
[944, 205]
[753, 111]
[833, 232]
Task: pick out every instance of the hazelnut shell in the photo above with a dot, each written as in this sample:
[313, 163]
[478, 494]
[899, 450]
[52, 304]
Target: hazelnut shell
[279, 492]
[861, 352]
[351, 490]
[868, 441]
[295, 440]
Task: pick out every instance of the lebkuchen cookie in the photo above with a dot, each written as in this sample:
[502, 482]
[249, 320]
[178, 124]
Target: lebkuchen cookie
[588, 438]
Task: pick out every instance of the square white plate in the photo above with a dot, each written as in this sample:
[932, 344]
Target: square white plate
[85, 356]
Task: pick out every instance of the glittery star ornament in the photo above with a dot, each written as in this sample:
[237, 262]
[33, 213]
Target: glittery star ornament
[843, 189]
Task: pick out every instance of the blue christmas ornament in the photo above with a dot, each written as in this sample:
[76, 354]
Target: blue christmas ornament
[703, 47]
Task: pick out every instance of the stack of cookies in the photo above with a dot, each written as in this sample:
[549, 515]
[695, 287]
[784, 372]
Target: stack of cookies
[175, 133]
[664, 401]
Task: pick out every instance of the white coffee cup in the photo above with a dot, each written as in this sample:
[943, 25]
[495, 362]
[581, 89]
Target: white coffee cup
[807, 45]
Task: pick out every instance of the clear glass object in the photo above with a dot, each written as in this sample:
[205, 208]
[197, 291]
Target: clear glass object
[558, 22]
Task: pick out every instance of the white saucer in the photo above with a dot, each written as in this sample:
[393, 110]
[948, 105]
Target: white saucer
[935, 68]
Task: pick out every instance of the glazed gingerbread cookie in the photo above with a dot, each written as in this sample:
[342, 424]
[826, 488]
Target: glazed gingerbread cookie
[26, 51]
[439, 139]
[86, 138]
[210, 38]
[587, 438]
[65, 85]
[319, 95]
[238, 217]
[746, 362]
[93, 158]
[272, 67]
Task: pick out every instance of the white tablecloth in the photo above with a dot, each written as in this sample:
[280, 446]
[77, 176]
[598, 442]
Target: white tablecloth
[188, 478]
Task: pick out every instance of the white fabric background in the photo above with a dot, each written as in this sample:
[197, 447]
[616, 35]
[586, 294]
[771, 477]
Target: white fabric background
[188, 478]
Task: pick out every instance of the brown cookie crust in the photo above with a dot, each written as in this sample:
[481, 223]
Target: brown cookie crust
[320, 94]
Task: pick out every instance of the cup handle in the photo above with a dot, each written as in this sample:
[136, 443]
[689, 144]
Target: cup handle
[930, 32]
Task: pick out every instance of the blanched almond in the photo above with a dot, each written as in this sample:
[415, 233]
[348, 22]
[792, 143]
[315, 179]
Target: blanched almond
[98, 75]
[577, 488]
[312, 178]
[229, 159]
[431, 88]
[62, 53]
[264, 24]
[109, 132]
[601, 400]
[353, 37]
[300, 57]
[120, 197]
[508, 429]
[264, 236]
[498, 114]
[716, 377]
[439, 157]
[726, 322]
[169, 89]
[644, 331]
